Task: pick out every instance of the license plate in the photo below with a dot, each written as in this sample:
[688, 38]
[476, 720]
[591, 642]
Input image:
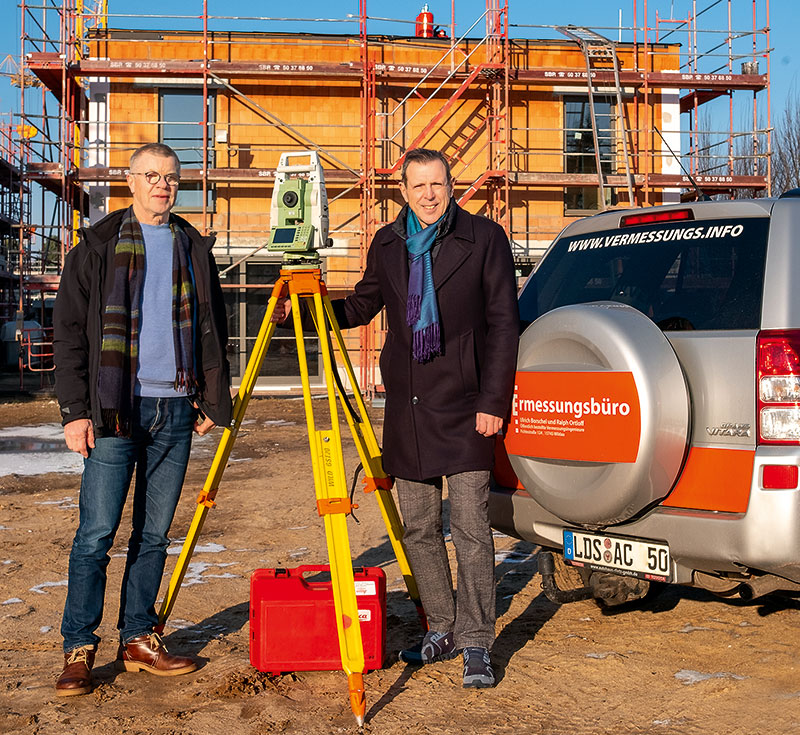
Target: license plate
[619, 554]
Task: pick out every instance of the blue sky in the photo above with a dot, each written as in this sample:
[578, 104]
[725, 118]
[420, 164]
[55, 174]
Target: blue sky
[598, 14]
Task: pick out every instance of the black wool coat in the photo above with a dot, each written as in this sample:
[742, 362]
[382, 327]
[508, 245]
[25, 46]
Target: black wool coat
[429, 419]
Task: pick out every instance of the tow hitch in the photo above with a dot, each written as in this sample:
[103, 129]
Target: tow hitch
[610, 589]
[547, 568]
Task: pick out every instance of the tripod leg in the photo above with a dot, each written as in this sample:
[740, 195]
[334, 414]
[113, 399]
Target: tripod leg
[333, 505]
[369, 453]
[205, 500]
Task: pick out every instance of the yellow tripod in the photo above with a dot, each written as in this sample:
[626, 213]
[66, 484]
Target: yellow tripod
[305, 282]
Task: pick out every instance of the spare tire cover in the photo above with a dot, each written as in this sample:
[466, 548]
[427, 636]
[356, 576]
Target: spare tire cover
[579, 461]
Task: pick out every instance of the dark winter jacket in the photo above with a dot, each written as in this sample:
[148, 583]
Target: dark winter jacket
[78, 314]
[429, 419]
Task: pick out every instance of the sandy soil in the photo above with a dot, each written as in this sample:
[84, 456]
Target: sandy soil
[683, 662]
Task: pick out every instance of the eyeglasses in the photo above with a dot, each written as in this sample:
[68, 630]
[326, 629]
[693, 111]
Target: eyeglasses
[153, 177]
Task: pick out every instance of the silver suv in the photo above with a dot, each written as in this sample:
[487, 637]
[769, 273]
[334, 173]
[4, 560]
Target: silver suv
[655, 429]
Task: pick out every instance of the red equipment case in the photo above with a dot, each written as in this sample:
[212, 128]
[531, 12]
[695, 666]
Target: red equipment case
[293, 623]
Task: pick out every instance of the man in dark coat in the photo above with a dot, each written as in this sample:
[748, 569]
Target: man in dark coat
[140, 337]
[446, 279]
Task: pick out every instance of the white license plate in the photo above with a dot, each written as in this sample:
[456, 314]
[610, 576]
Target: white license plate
[632, 557]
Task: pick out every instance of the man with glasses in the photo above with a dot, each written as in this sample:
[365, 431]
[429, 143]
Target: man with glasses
[140, 337]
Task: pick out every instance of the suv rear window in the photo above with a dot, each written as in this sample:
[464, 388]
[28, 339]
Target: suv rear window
[705, 274]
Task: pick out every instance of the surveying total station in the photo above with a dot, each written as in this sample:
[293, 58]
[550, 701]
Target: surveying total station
[299, 217]
[299, 210]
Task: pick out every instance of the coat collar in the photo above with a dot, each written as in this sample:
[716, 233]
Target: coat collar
[454, 251]
[98, 235]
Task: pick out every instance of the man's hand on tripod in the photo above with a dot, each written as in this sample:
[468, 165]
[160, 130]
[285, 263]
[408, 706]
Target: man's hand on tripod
[282, 309]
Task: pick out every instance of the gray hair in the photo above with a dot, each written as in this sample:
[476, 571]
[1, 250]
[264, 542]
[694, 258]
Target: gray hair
[156, 149]
[424, 155]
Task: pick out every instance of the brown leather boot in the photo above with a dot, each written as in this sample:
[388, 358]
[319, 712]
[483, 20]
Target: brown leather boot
[148, 653]
[76, 678]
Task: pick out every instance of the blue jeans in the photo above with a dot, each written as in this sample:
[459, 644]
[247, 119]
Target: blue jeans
[158, 448]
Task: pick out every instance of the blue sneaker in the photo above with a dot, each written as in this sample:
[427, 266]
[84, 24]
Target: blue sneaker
[434, 647]
[478, 672]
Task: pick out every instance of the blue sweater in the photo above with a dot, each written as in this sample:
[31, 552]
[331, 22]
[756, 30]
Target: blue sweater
[155, 375]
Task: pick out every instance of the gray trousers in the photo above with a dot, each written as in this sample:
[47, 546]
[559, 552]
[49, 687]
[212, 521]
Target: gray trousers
[471, 616]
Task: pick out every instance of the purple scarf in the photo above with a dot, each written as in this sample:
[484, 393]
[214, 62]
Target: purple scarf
[422, 312]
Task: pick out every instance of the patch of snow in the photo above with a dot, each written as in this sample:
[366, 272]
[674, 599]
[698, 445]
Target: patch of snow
[40, 463]
[36, 450]
[63, 504]
[196, 573]
[512, 557]
[40, 588]
[52, 431]
[209, 548]
[689, 628]
[689, 677]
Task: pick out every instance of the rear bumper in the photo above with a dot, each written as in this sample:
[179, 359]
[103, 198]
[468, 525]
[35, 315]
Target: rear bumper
[765, 538]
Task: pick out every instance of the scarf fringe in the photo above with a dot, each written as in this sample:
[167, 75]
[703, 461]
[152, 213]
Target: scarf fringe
[112, 419]
[426, 344]
[185, 380]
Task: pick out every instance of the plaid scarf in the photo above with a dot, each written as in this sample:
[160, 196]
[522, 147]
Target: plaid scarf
[422, 312]
[119, 353]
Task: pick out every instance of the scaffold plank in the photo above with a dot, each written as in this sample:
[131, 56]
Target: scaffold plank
[680, 181]
[51, 173]
[247, 175]
[47, 67]
[706, 182]
[668, 80]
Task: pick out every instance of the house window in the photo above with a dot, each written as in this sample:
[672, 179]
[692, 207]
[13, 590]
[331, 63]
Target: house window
[182, 130]
[246, 289]
[579, 151]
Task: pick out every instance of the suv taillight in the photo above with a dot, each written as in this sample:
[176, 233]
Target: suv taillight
[778, 386]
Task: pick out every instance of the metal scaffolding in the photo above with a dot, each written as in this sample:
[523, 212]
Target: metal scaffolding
[470, 95]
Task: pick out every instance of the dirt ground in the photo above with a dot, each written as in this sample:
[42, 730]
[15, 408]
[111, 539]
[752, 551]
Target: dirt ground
[683, 662]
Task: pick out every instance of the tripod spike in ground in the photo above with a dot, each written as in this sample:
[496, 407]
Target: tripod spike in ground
[358, 700]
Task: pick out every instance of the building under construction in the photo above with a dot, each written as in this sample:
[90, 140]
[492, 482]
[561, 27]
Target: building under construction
[538, 131]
